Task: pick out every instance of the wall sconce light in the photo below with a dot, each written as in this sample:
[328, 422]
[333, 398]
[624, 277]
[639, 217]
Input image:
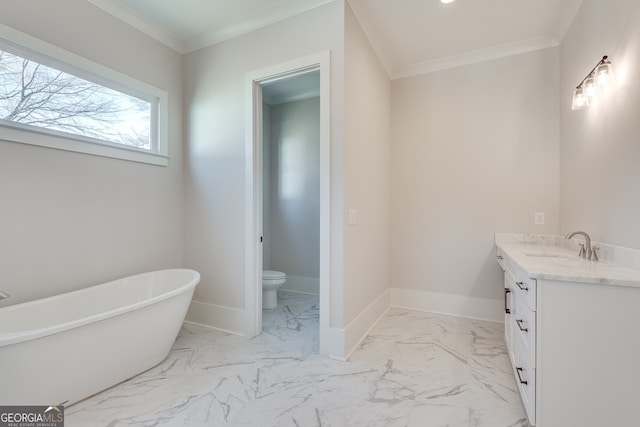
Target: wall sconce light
[596, 81]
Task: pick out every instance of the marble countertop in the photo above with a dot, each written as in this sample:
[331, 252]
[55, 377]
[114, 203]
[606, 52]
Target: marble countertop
[554, 258]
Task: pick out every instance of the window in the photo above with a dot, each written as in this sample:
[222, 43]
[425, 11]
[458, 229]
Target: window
[52, 98]
[36, 95]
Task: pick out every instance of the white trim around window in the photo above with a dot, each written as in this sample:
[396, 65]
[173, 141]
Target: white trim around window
[37, 50]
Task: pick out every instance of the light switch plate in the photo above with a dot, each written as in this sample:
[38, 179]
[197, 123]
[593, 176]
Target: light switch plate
[353, 216]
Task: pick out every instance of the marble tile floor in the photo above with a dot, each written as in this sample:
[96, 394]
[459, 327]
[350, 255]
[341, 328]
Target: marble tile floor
[414, 369]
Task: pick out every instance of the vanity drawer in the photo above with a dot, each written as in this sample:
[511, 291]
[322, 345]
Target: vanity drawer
[509, 306]
[525, 377]
[525, 287]
[524, 328]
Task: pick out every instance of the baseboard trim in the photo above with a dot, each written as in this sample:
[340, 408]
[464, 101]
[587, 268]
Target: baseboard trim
[187, 322]
[335, 344]
[343, 342]
[297, 292]
[226, 319]
[303, 285]
[448, 304]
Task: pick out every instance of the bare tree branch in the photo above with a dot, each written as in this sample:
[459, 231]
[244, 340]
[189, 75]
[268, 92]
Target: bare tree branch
[36, 95]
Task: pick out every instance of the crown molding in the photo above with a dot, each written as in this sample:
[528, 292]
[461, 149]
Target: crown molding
[476, 56]
[251, 22]
[242, 25]
[131, 17]
[274, 14]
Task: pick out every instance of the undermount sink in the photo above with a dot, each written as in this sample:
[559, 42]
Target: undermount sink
[550, 255]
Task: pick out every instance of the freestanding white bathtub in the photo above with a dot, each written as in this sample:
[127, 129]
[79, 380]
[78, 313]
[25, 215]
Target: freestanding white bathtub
[67, 347]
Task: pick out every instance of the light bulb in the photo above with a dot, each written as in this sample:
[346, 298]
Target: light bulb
[590, 88]
[604, 74]
[580, 100]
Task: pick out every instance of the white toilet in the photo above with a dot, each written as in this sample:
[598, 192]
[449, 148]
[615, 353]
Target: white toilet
[271, 281]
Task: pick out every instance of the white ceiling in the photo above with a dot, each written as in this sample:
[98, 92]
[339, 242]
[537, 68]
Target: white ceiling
[417, 36]
[410, 36]
[189, 25]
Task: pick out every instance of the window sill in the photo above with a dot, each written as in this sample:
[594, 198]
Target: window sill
[58, 141]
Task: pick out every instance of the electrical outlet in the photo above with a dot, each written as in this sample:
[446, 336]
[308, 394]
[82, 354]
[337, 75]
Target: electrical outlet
[538, 218]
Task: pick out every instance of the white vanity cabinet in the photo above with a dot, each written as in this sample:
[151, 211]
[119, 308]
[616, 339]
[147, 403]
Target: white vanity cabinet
[574, 346]
[520, 333]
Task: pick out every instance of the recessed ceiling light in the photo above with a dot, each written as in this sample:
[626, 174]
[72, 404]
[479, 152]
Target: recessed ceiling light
[446, 1]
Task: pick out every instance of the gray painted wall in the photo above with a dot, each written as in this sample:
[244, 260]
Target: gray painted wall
[600, 147]
[292, 193]
[71, 220]
[475, 151]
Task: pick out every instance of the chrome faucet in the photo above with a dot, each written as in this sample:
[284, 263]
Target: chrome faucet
[584, 252]
[3, 295]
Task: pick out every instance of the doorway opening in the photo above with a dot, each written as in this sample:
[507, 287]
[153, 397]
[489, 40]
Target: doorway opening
[284, 177]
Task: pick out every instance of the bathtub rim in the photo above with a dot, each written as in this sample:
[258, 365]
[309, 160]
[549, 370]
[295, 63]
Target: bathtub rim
[10, 338]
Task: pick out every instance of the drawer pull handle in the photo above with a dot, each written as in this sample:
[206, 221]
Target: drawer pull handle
[519, 322]
[518, 370]
[507, 310]
[522, 286]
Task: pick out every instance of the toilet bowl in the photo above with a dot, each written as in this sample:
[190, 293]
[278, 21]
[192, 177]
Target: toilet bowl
[271, 281]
